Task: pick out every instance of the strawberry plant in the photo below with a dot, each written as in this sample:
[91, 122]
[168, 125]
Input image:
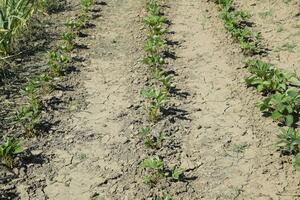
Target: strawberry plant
[156, 99]
[282, 107]
[8, 151]
[151, 141]
[267, 78]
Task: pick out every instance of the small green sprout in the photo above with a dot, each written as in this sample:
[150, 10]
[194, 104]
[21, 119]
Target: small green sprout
[165, 196]
[69, 43]
[156, 99]
[57, 62]
[151, 141]
[9, 150]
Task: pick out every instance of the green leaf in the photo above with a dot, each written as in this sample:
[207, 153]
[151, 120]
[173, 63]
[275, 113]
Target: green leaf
[289, 120]
[297, 162]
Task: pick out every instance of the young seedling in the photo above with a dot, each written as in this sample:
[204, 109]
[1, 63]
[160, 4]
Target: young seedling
[69, 42]
[154, 44]
[154, 61]
[8, 152]
[159, 75]
[156, 99]
[86, 5]
[177, 174]
[151, 141]
[156, 169]
[74, 25]
[289, 141]
[153, 21]
[268, 79]
[163, 197]
[282, 107]
[57, 62]
[153, 7]
[29, 117]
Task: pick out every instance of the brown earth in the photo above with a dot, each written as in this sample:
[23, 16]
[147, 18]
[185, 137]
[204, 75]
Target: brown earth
[214, 131]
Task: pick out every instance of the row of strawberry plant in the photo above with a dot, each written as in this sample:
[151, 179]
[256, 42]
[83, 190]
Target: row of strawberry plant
[29, 115]
[156, 96]
[282, 101]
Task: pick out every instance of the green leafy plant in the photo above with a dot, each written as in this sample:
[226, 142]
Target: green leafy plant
[153, 7]
[9, 150]
[14, 18]
[57, 62]
[156, 99]
[266, 78]
[29, 116]
[151, 141]
[236, 24]
[177, 174]
[289, 141]
[153, 21]
[156, 169]
[154, 61]
[282, 107]
[297, 162]
[154, 44]
[165, 196]
[86, 5]
[74, 24]
[166, 81]
[69, 42]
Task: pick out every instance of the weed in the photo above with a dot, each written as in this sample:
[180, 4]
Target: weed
[156, 99]
[9, 150]
[282, 107]
[289, 141]
[290, 47]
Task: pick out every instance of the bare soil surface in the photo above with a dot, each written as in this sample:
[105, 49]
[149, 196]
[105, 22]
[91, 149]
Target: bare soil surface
[214, 131]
